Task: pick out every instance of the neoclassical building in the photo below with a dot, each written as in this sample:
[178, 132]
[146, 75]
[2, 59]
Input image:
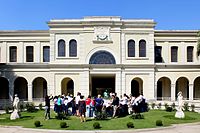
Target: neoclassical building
[97, 54]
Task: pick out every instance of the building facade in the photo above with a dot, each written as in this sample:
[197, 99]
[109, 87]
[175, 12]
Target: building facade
[97, 54]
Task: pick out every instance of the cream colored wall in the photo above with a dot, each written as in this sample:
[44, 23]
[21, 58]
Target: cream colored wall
[66, 37]
[149, 59]
[182, 51]
[3, 52]
[148, 83]
[21, 51]
[60, 76]
[175, 74]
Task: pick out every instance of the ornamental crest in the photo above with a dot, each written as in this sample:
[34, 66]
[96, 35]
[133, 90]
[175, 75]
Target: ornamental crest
[101, 33]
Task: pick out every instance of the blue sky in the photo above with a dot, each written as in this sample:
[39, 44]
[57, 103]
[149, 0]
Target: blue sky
[33, 14]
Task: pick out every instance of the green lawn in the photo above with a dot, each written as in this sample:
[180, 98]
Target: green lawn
[27, 120]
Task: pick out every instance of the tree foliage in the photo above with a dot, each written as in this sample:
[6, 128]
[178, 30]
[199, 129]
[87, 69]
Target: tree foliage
[198, 43]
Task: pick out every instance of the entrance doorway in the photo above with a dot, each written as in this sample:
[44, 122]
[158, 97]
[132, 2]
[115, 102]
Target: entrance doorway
[102, 84]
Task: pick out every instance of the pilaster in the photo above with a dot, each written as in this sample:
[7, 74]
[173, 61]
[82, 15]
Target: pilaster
[191, 92]
[173, 91]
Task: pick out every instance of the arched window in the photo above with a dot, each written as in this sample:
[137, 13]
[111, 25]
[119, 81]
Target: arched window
[72, 48]
[131, 48]
[142, 48]
[61, 48]
[102, 57]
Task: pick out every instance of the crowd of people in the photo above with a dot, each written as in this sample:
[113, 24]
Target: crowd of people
[82, 107]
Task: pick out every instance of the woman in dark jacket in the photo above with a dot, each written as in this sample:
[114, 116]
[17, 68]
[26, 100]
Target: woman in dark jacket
[47, 106]
[82, 108]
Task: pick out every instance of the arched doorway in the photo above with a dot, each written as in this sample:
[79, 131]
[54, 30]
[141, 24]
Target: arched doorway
[182, 84]
[197, 88]
[4, 89]
[67, 86]
[136, 87]
[164, 89]
[39, 88]
[21, 88]
[102, 57]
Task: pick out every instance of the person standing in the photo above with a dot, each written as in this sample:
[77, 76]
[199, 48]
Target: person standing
[115, 104]
[82, 108]
[88, 101]
[77, 100]
[47, 106]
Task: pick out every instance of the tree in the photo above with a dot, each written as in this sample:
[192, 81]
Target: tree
[198, 43]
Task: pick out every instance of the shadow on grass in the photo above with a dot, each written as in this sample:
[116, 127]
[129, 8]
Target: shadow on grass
[22, 118]
[172, 117]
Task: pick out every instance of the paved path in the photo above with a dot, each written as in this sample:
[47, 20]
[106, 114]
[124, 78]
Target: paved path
[181, 128]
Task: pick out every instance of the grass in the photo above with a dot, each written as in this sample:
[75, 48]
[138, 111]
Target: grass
[27, 120]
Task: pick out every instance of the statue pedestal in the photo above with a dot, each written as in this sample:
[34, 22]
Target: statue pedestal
[14, 115]
[180, 114]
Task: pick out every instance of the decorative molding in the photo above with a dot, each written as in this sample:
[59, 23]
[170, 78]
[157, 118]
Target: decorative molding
[102, 34]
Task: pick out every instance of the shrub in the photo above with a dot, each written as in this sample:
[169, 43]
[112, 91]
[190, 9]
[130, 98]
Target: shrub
[173, 106]
[62, 116]
[192, 107]
[137, 116]
[159, 105]
[166, 105]
[159, 123]
[185, 106]
[96, 125]
[30, 107]
[21, 107]
[40, 106]
[153, 105]
[63, 125]
[37, 123]
[130, 125]
[169, 109]
[6, 108]
[101, 116]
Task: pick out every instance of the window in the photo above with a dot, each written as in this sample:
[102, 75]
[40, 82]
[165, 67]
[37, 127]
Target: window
[102, 57]
[131, 48]
[13, 53]
[174, 54]
[190, 54]
[158, 53]
[46, 54]
[142, 48]
[61, 48]
[72, 48]
[29, 54]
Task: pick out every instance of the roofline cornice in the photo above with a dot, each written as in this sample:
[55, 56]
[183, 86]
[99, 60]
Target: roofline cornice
[24, 33]
[176, 33]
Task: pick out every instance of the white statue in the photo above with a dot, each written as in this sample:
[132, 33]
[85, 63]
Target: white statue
[15, 114]
[179, 112]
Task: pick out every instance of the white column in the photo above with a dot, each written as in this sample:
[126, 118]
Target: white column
[11, 91]
[173, 91]
[191, 92]
[155, 91]
[51, 85]
[123, 82]
[30, 92]
[37, 52]
[53, 52]
[20, 57]
[84, 83]
[118, 89]
[123, 48]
